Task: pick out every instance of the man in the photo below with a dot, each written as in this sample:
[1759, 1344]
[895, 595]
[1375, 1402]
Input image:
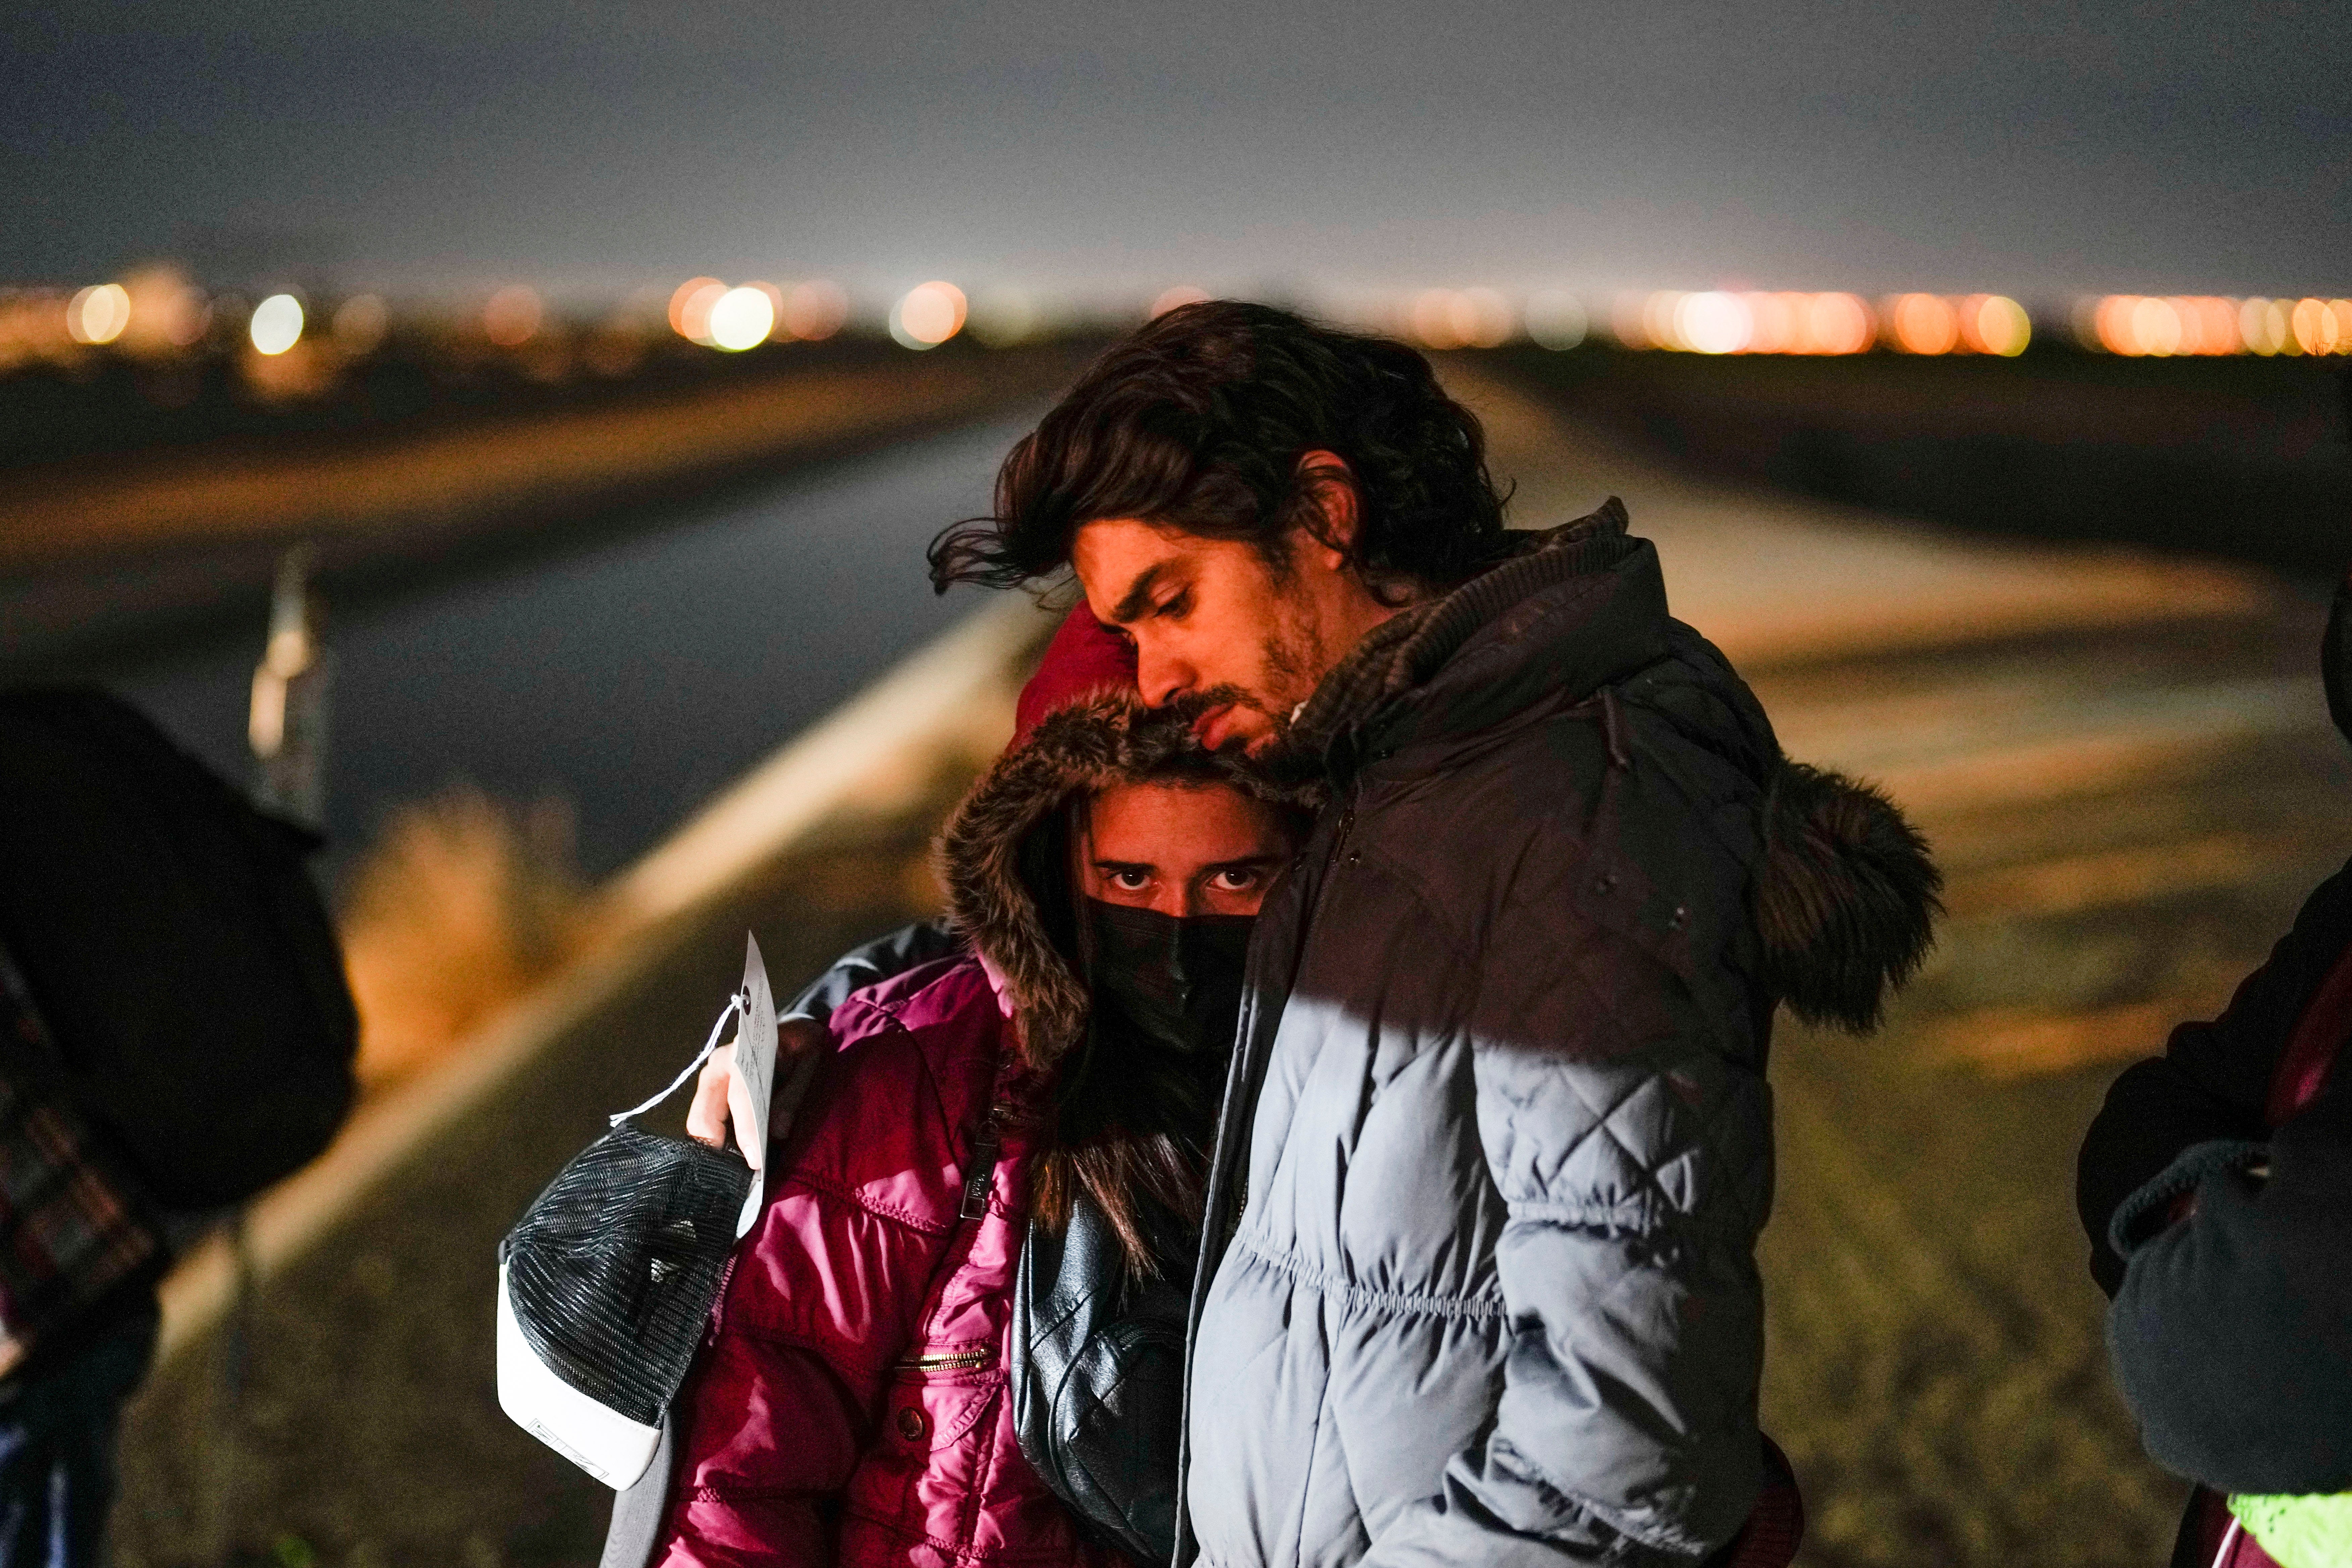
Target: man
[1478, 1282]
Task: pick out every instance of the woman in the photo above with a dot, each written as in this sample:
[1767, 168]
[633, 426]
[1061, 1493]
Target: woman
[1058, 1074]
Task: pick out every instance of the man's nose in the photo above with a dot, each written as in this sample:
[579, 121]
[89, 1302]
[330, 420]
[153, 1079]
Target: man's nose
[1160, 677]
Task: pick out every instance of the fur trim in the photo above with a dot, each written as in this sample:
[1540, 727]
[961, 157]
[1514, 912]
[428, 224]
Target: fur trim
[1846, 899]
[1088, 745]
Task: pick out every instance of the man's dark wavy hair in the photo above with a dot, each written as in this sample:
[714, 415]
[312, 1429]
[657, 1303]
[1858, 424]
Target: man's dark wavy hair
[1198, 419]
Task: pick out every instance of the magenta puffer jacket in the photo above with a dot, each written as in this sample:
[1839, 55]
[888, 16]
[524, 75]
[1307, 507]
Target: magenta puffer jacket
[851, 1404]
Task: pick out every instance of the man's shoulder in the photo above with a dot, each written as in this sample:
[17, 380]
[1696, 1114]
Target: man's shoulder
[1616, 810]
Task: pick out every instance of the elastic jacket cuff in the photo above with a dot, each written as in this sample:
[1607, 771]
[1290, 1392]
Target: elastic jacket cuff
[2143, 1215]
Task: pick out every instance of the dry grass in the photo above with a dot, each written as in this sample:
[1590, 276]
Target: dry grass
[461, 905]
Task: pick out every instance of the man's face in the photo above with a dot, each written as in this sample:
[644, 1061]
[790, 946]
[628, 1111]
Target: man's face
[1217, 628]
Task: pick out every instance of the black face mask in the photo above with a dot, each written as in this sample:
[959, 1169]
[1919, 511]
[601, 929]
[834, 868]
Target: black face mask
[1159, 981]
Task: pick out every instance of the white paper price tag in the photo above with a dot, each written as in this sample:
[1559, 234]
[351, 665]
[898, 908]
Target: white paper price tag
[753, 1083]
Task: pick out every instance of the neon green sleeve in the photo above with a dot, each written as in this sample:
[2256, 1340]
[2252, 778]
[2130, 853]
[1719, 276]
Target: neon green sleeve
[2313, 1532]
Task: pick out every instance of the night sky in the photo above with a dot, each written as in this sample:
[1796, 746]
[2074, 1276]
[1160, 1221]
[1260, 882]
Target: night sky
[1104, 151]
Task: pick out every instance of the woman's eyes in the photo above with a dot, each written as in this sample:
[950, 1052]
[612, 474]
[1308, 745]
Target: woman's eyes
[1226, 879]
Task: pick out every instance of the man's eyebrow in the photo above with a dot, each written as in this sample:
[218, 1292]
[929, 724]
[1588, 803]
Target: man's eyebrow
[1139, 595]
[1125, 866]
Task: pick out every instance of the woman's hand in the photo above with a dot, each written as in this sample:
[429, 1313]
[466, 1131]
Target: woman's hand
[705, 1118]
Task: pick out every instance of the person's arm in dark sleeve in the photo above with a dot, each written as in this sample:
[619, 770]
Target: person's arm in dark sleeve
[2231, 1335]
[2153, 1113]
[2211, 1080]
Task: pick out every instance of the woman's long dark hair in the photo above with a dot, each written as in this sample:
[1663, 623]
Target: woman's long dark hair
[1132, 1135]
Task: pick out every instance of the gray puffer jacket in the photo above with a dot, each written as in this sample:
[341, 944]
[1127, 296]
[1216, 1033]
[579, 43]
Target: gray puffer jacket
[1479, 1285]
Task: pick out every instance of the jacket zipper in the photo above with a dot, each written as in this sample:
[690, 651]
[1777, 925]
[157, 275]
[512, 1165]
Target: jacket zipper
[950, 1361]
[1339, 839]
[980, 1179]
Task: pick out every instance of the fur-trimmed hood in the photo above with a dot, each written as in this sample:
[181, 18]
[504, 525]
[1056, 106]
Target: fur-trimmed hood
[988, 856]
[1844, 898]
[1843, 893]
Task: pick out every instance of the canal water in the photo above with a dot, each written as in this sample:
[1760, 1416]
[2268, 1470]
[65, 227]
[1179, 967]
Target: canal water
[632, 679]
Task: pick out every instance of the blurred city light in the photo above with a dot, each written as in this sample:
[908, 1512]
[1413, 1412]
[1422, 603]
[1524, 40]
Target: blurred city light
[740, 318]
[1556, 318]
[1834, 324]
[1629, 321]
[2322, 326]
[1434, 321]
[2263, 326]
[1460, 317]
[361, 323]
[157, 317]
[1775, 322]
[512, 316]
[277, 324]
[2145, 326]
[1175, 299]
[776, 328]
[1485, 317]
[32, 327]
[690, 308]
[815, 310]
[1995, 324]
[1923, 324]
[927, 315]
[1712, 324]
[1722, 322]
[1003, 317]
[167, 313]
[2214, 324]
[99, 313]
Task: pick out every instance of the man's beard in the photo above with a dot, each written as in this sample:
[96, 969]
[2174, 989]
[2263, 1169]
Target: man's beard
[1289, 677]
[1194, 706]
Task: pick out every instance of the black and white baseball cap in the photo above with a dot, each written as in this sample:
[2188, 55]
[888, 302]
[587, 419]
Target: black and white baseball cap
[606, 1284]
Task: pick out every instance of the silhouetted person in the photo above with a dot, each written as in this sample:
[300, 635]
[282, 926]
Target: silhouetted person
[2216, 1187]
[174, 1035]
